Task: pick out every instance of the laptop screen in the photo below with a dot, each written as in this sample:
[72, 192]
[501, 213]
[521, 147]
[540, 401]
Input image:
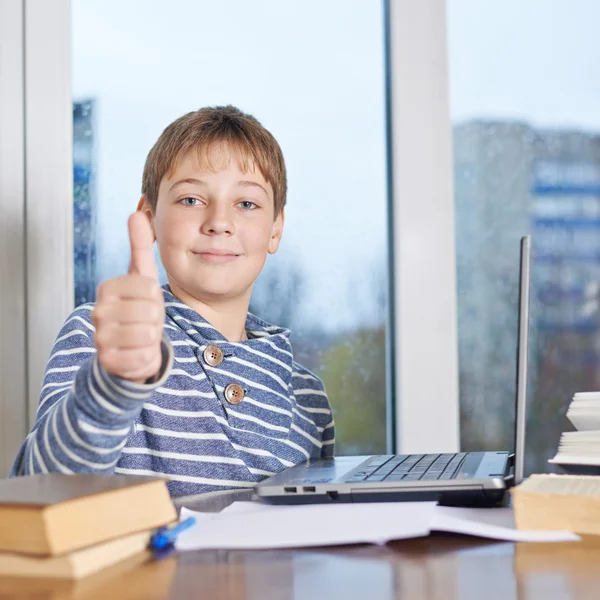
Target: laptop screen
[522, 358]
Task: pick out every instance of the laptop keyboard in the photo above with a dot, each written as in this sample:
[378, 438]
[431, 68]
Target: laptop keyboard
[410, 467]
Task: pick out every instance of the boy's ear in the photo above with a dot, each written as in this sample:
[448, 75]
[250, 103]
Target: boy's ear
[144, 206]
[276, 233]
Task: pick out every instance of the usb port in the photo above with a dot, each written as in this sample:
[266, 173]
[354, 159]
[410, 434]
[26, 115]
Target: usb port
[291, 490]
[309, 488]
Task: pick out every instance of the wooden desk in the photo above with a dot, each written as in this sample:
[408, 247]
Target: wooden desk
[441, 567]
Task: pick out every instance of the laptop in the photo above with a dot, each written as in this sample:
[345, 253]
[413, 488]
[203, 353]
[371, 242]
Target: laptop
[456, 479]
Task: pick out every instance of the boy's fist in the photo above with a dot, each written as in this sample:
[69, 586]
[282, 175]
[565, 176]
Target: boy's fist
[130, 312]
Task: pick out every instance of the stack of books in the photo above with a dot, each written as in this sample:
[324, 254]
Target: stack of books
[70, 526]
[579, 451]
[571, 501]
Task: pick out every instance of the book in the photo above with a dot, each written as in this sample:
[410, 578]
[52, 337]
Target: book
[579, 450]
[558, 503]
[76, 564]
[53, 514]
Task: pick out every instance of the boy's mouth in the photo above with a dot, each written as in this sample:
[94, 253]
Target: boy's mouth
[215, 256]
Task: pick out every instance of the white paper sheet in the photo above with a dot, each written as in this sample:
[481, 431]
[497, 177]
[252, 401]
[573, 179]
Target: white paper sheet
[254, 525]
[492, 523]
[304, 526]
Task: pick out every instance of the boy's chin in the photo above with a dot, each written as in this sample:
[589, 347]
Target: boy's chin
[217, 292]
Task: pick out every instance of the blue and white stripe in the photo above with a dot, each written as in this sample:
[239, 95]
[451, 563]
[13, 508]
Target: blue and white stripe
[181, 426]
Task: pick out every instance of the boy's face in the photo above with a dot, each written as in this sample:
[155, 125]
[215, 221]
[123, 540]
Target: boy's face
[215, 228]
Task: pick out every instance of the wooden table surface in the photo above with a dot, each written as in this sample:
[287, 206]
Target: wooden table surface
[440, 567]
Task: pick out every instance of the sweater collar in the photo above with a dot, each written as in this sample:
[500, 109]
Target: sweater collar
[197, 327]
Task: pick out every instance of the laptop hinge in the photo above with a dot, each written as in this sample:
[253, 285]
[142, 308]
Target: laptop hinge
[509, 478]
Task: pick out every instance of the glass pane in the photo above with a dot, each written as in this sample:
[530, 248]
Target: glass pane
[524, 100]
[313, 73]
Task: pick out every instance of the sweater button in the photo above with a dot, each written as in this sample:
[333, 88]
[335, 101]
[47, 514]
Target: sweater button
[213, 356]
[234, 393]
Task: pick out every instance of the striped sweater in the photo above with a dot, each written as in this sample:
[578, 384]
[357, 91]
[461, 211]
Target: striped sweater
[183, 426]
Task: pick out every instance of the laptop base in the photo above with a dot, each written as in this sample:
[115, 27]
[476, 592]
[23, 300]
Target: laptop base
[471, 498]
[481, 480]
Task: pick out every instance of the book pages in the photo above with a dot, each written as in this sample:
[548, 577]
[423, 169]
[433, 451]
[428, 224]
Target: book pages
[574, 485]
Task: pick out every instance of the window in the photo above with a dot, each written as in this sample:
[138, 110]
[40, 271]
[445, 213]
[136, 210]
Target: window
[313, 73]
[524, 102]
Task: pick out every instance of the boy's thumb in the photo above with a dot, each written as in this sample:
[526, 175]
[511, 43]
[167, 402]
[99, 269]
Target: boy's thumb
[141, 239]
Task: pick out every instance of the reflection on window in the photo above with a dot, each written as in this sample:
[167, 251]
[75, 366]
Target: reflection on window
[84, 201]
[527, 162]
[323, 101]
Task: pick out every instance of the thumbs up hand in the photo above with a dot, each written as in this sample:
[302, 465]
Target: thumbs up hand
[141, 240]
[129, 314]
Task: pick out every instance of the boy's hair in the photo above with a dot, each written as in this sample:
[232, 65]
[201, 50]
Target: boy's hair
[202, 130]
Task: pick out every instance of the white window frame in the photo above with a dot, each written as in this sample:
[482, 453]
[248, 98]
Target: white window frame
[49, 182]
[425, 375]
[13, 375]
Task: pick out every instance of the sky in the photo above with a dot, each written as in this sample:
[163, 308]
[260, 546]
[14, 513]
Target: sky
[531, 60]
[312, 71]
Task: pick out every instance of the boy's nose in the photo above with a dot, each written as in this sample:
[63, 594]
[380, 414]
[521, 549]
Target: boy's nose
[217, 222]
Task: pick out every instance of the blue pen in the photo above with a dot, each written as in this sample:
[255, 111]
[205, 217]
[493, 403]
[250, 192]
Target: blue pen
[166, 536]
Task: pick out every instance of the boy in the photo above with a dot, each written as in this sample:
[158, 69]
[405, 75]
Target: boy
[182, 381]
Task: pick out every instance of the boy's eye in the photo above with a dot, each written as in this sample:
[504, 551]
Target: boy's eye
[247, 205]
[189, 201]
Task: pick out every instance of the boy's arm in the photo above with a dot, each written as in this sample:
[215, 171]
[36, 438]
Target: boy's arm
[328, 440]
[85, 414]
[314, 392]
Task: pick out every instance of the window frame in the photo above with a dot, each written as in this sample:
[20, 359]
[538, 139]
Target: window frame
[13, 373]
[426, 343]
[48, 183]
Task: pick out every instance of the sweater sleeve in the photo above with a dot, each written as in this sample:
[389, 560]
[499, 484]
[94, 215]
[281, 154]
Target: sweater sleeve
[85, 414]
[328, 440]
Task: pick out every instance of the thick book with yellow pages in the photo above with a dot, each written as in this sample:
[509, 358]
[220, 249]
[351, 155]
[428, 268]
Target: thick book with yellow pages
[558, 503]
[53, 514]
[76, 564]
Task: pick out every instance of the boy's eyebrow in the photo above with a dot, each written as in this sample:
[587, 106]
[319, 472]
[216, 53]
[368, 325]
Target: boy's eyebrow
[246, 183]
[243, 183]
[186, 180]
